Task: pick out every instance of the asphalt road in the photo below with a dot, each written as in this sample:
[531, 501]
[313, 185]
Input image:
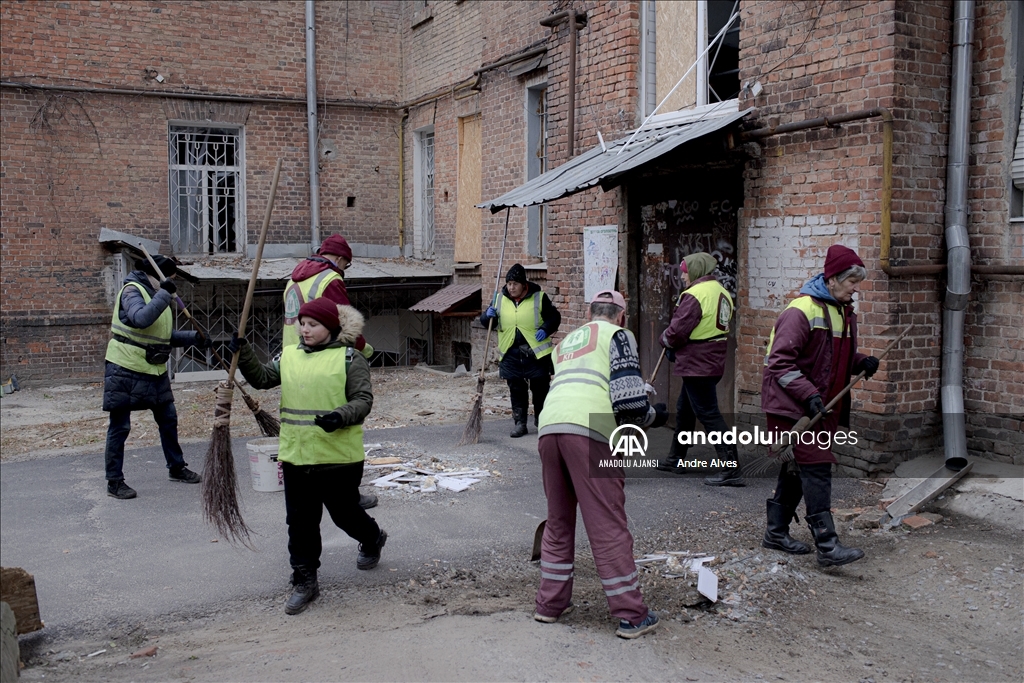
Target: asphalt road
[97, 559]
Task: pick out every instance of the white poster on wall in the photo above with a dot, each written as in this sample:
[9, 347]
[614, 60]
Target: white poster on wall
[600, 258]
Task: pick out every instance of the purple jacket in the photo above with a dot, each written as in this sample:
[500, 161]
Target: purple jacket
[799, 363]
[699, 358]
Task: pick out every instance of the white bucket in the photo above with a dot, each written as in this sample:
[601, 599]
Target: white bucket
[263, 463]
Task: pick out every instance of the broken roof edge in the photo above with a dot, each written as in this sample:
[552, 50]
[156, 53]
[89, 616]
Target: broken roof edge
[602, 164]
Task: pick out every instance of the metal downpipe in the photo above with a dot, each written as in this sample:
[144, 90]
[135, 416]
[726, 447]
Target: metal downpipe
[958, 251]
[312, 125]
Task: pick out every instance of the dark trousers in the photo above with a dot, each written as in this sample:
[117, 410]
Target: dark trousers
[166, 417]
[812, 482]
[517, 389]
[698, 400]
[308, 489]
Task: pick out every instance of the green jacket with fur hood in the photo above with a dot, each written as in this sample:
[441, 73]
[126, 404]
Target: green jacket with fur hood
[358, 390]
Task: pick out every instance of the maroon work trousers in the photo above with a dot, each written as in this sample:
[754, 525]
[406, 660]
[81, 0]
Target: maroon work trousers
[566, 467]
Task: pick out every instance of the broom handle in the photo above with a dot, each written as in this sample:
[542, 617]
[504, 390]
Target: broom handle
[663, 349]
[798, 428]
[255, 270]
[497, 283]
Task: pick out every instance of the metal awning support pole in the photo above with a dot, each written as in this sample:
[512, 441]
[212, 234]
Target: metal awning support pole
[314, 129]
[576, 22]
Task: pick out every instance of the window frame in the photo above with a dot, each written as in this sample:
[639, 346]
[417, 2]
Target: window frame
[424, 216]
[537, 134]
[180, 245]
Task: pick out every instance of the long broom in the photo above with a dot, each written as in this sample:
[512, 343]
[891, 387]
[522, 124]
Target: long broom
[268, 424]
[476, 414]
[220, 485]
[782, 453]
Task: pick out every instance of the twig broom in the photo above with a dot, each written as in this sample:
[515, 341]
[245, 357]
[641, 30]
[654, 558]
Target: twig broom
[268, 424]
[476, 413]
[220, 485]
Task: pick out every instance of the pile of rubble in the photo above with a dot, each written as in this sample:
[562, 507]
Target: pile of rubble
[413, 476]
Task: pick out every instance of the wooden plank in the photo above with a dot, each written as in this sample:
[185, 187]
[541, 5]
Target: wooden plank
[929, 489]
[18, 589]
[468, 218]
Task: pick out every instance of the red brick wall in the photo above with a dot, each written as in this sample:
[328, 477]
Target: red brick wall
[73, 162]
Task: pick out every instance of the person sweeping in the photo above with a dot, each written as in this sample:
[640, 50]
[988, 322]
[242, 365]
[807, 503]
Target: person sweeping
[812, 351]
[325, 396]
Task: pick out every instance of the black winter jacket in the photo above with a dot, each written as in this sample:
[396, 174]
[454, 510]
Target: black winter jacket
[125, 389]
[519, 361]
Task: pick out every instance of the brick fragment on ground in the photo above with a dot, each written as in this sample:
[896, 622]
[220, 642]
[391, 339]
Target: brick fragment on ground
[933, 516]
[145, 652]
[845, 515]
[870, 519]
[917, 522]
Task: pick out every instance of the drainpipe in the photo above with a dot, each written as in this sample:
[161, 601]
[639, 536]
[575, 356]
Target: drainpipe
[958, 250]
[311, 122]
[576, 21]
[401, 183]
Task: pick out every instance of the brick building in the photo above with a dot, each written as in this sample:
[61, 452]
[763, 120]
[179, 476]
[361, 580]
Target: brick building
[426, 109]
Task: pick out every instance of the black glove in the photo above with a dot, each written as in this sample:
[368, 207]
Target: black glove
[660, 415]
[236, 343]
[199, 340]
[671, 355]
[329, 422]
[169, 286]
[815, 406]
[867, 365]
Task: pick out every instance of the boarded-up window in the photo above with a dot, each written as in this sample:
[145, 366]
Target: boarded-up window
[468, 218]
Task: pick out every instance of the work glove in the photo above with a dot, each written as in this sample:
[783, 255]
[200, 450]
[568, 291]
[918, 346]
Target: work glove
[201, 341]
[168, 286]
[541, 335]
[671, 355]
[649, 388]
[236, 343]
[329, 422]
[491, 312]
[660, 415]
[867, 365]
[815, 405]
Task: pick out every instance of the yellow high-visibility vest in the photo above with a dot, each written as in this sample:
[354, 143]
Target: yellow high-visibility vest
[716, 308]
[298, 293]
[525, 317]
[133, 355]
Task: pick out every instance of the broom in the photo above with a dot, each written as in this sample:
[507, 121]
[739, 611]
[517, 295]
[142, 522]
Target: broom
[220, 485]
[782, 453]
[476, 414]
[268, 424]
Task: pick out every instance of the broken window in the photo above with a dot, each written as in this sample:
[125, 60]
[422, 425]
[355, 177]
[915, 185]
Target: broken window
[722, 63]
[205, 171]
[536, 164]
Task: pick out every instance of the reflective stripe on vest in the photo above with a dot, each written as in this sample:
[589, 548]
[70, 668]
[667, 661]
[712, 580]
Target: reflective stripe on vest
[131, 356]
[525, 317]
[716, 310]
[314, 384]
[579, 391]
[298, 293]
[815, 319]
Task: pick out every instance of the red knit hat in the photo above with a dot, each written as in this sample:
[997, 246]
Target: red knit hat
[336, 245]
[323, 310]
[840, 258]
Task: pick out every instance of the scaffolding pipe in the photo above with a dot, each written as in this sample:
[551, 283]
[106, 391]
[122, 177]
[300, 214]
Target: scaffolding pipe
[313, 127]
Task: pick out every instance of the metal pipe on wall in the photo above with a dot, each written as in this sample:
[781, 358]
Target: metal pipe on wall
[576, 22]
[958, 250]
[311, 122]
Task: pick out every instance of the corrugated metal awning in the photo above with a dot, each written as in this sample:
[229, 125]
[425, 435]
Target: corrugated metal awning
[445, 299]
[661, 135]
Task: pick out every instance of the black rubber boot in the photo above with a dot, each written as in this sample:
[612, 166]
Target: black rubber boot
[831, 553]
[777, 536]
[369, 555]
[519, 415]
[304, 591]
[729, 477]
[368, 500]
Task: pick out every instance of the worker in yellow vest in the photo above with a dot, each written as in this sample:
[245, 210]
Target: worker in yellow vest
[317, 276]
[325, 396]
[597, 391]
[135, 376]
[526, 320]
[696, 340]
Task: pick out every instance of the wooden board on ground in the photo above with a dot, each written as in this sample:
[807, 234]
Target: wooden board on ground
[929, 489]
[18, 589]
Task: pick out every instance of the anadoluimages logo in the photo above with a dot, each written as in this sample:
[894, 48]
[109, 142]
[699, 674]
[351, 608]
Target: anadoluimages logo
[628, 441]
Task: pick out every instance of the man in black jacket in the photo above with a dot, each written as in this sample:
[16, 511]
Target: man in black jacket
[526, 320]
[142, 334]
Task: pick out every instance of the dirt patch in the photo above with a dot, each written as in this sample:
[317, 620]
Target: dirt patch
[69, 419]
